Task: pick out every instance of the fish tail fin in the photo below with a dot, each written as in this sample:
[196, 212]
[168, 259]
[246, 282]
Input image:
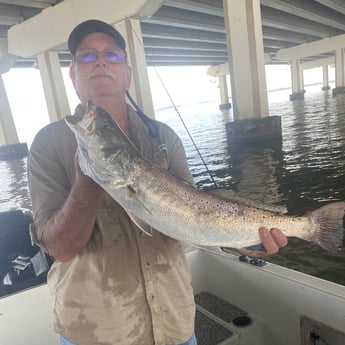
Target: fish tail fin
[328, 224]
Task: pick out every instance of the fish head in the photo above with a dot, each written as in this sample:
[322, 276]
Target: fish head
[96, 131]
[103, 148]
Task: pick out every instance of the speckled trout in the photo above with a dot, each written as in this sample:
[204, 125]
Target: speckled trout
[155, 199]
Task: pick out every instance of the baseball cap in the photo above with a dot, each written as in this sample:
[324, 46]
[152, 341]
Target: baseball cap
[90, 26]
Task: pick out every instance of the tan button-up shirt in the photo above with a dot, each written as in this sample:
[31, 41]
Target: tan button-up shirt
[125, 287]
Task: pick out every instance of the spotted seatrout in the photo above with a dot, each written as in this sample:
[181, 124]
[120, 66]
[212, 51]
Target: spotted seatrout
[155, 199]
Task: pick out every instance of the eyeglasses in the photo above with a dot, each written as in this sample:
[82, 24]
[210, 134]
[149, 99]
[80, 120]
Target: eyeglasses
[91, 55]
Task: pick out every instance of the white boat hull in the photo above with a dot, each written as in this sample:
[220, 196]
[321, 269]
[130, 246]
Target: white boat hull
[26, 318]
[276, 299]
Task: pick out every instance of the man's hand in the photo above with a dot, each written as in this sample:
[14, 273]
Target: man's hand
[272, 240]
[84, 182]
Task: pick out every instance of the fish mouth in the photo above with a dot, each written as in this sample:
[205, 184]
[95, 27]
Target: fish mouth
[89, 117]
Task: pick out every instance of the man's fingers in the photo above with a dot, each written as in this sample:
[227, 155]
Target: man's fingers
[279, 237]
[268, 241]
[272, 240]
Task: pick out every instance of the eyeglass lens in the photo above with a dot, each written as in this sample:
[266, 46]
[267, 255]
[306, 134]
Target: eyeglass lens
[111, 56]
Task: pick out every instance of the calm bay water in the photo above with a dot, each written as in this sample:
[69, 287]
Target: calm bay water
[303, 172]
[14, 192]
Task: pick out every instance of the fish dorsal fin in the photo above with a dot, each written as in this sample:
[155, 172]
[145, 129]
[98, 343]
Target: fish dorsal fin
[230, 195]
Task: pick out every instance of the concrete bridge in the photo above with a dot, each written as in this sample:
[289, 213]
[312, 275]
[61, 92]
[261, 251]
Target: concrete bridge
[229, 36]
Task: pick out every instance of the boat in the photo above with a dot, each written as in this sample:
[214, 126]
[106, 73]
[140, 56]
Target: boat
[240, 300]
[13, 151]
[25, 305]
[250, 301]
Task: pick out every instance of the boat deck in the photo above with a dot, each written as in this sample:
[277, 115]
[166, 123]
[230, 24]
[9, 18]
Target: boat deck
[217, 321]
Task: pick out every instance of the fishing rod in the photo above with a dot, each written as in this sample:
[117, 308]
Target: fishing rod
[143, 116]
[153, 131]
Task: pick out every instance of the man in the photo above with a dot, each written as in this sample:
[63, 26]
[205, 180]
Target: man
[111, 284]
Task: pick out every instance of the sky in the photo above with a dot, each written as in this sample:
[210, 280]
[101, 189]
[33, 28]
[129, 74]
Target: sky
[186, 85]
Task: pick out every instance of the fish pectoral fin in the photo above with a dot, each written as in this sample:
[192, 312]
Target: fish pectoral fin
[143, 226]
[132, 195]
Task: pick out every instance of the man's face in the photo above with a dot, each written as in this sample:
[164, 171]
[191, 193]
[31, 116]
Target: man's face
[98, 79]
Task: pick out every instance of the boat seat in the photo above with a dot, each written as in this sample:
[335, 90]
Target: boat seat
[16, 253]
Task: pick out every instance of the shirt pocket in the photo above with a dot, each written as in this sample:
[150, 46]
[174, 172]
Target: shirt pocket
[108, 230]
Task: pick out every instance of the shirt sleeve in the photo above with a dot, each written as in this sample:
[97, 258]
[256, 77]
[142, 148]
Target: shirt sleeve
[176, 155]
[51, 174]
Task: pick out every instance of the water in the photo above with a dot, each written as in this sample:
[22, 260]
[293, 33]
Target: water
[14, 192]
[301, 173]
